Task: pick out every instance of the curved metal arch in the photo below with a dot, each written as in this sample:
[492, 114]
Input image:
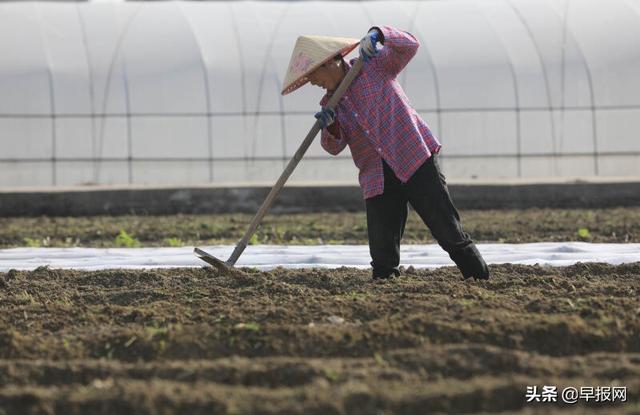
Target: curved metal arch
[127, 103]
[52, 99]
[278, 83]
[243, 72]
[403, 77]
[436, 78]
[267, 57]
[87, 52]
[205, 78]
[544, 74]
[563, 86]
[282, 115]
[107, 89]
[587, 69]
[237, 38]
[516, 91]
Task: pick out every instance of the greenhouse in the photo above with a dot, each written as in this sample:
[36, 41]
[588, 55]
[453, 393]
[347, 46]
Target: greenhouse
[189, 92]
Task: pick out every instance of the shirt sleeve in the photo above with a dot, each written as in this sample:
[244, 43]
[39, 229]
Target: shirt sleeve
[398, 49]
[332, 144]
[329, 142]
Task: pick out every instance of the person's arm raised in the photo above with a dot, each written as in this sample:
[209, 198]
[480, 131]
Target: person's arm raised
[398, 49]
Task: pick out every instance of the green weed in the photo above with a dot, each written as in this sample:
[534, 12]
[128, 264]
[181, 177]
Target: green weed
[355, 295]
[153, 331]
[64, 302]
[248, 326]
[465, 302]
[125, 240]
[32, 243]
[174, 242]
[584, 233]
[379, 359]
[331, 375]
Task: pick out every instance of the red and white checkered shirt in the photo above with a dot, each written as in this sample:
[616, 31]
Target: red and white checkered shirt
[376, 120]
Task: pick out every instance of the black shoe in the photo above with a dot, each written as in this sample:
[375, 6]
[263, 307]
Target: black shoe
[470, 262]
[385, 276]
[481, 276]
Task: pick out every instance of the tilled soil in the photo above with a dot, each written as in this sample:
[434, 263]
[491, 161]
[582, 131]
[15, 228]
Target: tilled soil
[193, 341]
[512, 226]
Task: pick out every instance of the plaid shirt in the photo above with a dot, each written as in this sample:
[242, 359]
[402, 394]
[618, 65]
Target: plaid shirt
[375, 119]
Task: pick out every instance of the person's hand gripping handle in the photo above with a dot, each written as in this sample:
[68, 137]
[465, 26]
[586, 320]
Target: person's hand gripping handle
[368, 43]
[326, 116]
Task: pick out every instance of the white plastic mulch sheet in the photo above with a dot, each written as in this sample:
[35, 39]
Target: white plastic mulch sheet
[332, 256]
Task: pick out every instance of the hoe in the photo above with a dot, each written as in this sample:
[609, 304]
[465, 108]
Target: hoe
[227, 266]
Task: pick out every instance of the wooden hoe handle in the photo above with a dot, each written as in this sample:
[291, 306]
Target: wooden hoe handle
[275, 190]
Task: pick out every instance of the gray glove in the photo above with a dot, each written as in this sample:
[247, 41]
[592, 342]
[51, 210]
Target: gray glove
[368, 45]
[326, 117]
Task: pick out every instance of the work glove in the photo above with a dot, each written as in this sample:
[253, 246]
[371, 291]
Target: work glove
[326, 117]
[368, 45]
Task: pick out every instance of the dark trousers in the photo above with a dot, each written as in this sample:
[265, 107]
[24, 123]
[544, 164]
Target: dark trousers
[428, 195]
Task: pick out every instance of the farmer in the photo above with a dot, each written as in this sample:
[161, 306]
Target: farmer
[391, 145]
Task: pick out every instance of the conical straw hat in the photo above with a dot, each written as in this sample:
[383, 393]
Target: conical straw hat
[309, 53]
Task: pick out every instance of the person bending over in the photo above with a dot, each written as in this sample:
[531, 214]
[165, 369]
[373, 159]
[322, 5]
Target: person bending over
[391, 145]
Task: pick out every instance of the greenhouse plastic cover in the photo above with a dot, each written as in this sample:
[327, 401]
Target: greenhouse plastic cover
[189, 92]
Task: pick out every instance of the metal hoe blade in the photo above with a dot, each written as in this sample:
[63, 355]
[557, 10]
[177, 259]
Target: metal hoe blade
[211, 260]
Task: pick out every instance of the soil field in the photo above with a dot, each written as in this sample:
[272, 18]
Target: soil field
[193, 341]
[513, 226]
